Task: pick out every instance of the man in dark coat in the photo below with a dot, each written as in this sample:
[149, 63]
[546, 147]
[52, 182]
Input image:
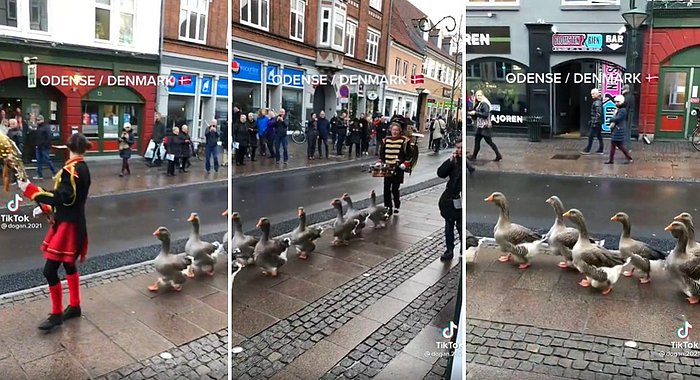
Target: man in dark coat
[223, 135]
[596, 123]
[630, 105]
[451, 198]
[211, 146]
[323, 130]
[340, 131]
[157, 137]
[43, 148]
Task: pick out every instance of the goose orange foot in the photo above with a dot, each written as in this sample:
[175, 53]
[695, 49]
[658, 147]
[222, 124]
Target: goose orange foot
[645, 280]
[606, 291]
[504, 259]
[302, 256]
[177, 288]
[693, 300]
[524, 266]
[211, 273]
[563, 265]
[585, 283]
[154, 287]
[628, 273]
[274, 274]
[190, 274]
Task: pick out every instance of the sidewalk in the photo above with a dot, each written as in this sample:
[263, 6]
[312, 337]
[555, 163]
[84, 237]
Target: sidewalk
[123, 331]
[374, 309]
[675, 160]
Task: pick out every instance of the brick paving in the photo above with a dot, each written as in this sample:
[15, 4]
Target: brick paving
[502, 350]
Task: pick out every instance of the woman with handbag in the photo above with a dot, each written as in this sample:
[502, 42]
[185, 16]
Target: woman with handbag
[482, 113]
[125, 142]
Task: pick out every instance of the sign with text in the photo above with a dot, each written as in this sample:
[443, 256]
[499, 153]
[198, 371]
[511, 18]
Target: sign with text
[611, 43]
[488, 39]
[610, 87]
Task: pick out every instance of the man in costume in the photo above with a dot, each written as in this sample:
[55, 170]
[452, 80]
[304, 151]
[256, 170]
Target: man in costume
[393, 153]
[67, 239]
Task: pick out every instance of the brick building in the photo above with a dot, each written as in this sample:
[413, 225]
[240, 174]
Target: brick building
[278, 43]
[194, 52]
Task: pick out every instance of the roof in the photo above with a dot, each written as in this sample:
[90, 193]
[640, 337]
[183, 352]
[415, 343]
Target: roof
[405, 11]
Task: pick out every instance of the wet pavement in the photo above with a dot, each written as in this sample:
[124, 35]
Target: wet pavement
[371, 309]
[125, 331]
[674, 160]
[539, 323]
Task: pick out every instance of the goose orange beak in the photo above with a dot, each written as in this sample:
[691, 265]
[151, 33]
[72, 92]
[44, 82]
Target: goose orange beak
[669, 227]
[259, 223]
[489, 199]
[614, 218]
[191, 218]
[300, 212]
[567, 214]
[225, 213]
[155, 233]
[677, 217]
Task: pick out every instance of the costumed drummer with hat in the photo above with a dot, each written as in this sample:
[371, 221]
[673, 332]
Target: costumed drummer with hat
[394, 153]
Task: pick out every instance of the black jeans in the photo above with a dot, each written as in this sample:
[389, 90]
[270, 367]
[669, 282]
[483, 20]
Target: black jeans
[357, 149]
[365, 144]
[172, 164]
[620, 145]
[323, 140]
[339, 143]
[240, 154]
[486, 135]
[436, 145]
[311, 146]
[51, 271]
[391, 191]
[450, 225]
[596, 132]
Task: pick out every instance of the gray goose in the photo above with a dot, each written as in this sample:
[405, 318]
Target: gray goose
[303, 237]
[243, 245]
[643, 256]
[684, 268]
[169, 265]
[509, 234]
[561, 238]
[693, 247]
[590, 258]
[343, 228]
[270, 254]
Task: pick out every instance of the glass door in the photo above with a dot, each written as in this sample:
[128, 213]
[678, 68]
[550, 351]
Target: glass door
[673, 102]
[693, 101]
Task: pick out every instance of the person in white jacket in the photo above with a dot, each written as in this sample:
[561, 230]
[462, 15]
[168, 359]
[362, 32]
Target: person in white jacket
[438, 130]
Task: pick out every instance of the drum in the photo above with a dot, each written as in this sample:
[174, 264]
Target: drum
[382, 171]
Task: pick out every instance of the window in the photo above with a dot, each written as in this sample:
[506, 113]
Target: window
[193, 20]
[326, 26]
[126, 21]
[397, 66]
[339, 30]
[350, 35]
[674, 91]
[372, 46]
[405, 68]
[254, 13]
[376, 4]
[103, 11]
[493, 2]
[298, 12]
[38, 15]
[473, 71]
[589, 2]
[431, 68]
[106, 28]
[413, 70]
[8, 13]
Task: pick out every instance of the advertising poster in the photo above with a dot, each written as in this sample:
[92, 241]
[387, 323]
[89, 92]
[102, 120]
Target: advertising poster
[610, 87]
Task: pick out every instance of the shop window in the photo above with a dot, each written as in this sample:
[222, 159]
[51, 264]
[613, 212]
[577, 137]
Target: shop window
[193, 20]
[297, 14]
[376, 4]
[388, 107]
[90, 128]
[372, 46]
[255, 13]
[350, 36]
[246, 96]
[397, 66]
[506, 98]
[674, 91]
[292, 103]
[473, 71]
[38, 15]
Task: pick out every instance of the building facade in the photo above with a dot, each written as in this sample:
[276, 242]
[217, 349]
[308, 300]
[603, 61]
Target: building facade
[532, 58]
[442, 79]
[42, 42]
[195, 54]
[278, 45]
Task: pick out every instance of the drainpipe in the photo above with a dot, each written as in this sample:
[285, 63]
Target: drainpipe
[386, 57]
[162, 37]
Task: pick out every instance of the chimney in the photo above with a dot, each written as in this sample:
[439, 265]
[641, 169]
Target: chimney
[446, 45]
[434, 39]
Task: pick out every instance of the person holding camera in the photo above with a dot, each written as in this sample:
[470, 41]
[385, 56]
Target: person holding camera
[341, 130]
[450, 202]
[242, 137]
[126, 141]
[211, 146]
[281, 128]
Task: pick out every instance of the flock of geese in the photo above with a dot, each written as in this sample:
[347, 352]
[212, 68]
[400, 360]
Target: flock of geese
[269, 254]
[600, 266]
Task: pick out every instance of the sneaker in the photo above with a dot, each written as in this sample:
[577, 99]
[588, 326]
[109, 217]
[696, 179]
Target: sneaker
[38, 177]
[71, 312]
[600, 152]
[396, 210]
[54, 320]
[584, 152]
[629, 162]
[447, 256]
[609, 162]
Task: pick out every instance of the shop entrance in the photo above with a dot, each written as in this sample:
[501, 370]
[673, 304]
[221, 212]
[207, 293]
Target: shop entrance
[572, 97]
[104, 112]
[679, 82]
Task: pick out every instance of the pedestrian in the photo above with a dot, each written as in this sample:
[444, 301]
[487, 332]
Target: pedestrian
[354, 137]
[262, 122]
[252, 135]
[430, 134]
[241, 137]
[335, 120]
[394, 154]
[173, 151]
[482, 113]
[223, 137]
[312, 137]
[365, 123]
[157, 137]
[595, 123]
[450, 202]
[14, 133]
[438, 132]
[341, 131]
[211, 145]
[186, 152]
[323, 130]
[382, 132]
[281, 128]
[43, 148]
[66, 240]
[126, 141]
[618, 124]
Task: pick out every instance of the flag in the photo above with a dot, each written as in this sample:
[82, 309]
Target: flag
[184, 80]
[417, 79]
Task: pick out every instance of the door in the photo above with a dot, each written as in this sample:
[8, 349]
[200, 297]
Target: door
[693, 101]
[673, 102]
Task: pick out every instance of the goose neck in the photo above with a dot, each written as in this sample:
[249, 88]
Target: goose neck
[626, 229]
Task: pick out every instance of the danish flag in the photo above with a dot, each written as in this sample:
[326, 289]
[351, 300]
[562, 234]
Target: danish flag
[417, 79]
[184, 80]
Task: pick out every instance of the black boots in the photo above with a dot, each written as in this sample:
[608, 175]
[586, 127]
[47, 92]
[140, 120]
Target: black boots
[448, 255]
[54, 320]
[71, 312]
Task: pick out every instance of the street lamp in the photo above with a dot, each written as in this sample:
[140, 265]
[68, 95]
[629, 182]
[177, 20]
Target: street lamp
[634, 18]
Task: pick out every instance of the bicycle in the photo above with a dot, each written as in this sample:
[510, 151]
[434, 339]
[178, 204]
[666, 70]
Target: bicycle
[298, 133]
[695, 136]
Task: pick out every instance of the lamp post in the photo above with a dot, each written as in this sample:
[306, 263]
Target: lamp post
[634, 18]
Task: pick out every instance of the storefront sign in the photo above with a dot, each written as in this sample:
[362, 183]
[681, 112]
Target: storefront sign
[206, 86]
[610, 87]
[488, 39]
[222, 87]
[248, 70]
[183, 84]
[372, 96]
[431, 101]
[507, 119]
[446, 92]
[272, 73]
[293, 78]
[31, 76]
[589, 42]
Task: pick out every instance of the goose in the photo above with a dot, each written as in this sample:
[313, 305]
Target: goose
[684, 268]
[242, 244]
[561, 239]
[471, 240]
[603, 277]
[343, 229]
[355, 214]
[693, 246]
[303, 237]
[525, 251]
[377, 214]
[270, 254]
[169, 265]
[643, 256]
[593, 255]
[506, 232]
[203, 253]
[225, 238]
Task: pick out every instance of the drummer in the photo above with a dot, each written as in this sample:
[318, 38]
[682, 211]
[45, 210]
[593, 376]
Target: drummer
[393, 153]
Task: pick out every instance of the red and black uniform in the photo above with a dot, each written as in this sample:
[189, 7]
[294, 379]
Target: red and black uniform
[393, 153]
[67, 237]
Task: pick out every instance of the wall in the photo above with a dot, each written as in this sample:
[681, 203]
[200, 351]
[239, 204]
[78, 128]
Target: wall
[217, 33]
[398, 51]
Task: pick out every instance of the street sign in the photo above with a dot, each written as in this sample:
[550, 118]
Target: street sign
[31, 76]
[589, 42]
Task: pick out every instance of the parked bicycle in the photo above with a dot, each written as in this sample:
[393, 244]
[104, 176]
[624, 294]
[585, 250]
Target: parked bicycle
[695, 136]
[298, 132]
